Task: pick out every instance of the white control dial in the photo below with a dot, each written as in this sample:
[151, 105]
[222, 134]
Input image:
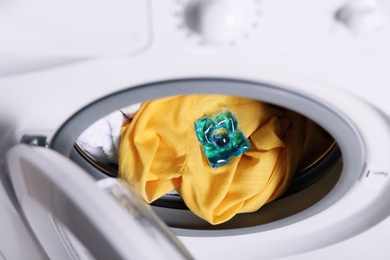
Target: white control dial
[363, 15]
[217, 21]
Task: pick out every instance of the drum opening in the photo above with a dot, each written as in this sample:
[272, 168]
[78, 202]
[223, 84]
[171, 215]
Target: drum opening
[319, 183]
[310, 170]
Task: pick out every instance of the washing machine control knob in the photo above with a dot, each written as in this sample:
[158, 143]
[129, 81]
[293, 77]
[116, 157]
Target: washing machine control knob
[363, 15]
[217, 21]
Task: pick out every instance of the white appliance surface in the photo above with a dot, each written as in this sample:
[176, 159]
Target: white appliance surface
[56, 59]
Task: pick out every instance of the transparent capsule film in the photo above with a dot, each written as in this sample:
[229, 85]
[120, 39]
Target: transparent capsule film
[220, 137]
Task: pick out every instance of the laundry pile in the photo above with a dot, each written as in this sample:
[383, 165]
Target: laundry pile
[224, 155]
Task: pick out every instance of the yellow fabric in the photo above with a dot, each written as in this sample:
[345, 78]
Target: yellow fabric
[159, 151]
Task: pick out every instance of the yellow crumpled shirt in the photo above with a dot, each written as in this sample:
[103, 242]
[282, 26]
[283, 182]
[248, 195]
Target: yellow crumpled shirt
[159, 151]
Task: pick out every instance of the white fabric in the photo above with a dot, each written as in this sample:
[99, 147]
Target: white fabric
[101, 140]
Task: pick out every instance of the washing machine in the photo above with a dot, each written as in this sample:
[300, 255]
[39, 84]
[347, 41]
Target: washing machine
[65, 65]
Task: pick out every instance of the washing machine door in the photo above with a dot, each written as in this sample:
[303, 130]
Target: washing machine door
[74, 218]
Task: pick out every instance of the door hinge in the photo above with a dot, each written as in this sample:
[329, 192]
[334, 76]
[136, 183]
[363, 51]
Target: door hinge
[35, 140]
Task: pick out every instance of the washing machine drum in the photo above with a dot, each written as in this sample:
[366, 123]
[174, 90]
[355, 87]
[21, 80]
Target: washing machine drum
[296, 151]
[313, 180]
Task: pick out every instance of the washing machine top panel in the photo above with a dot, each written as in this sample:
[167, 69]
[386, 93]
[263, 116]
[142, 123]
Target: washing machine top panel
[352, 28]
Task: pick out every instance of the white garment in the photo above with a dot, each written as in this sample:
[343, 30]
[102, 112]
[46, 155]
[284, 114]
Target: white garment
[100, 141]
